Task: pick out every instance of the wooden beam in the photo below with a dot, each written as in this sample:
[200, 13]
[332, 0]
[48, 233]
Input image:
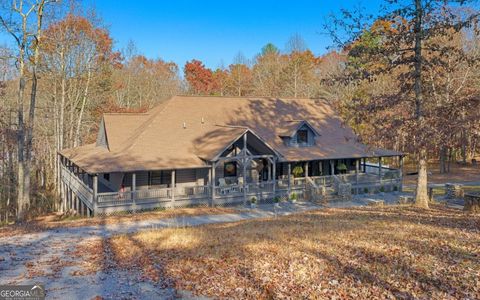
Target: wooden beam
[289, 170]
[357, 169]
[269, 171]
[274, 179]
[173, 188]
[244, 169]
[400, 172]
[134, 191]
[212, 182]
[380, 169]
[95, 193]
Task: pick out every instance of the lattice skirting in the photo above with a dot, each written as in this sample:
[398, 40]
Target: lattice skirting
[225, 201]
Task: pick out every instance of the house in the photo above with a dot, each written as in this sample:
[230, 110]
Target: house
[194, 150]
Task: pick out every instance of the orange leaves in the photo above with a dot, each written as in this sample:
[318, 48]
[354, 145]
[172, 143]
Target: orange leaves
[199, 77]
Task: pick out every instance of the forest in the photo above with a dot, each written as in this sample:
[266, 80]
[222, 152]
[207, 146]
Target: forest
[407, 80]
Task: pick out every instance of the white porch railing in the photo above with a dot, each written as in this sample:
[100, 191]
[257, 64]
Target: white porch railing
[81, 190]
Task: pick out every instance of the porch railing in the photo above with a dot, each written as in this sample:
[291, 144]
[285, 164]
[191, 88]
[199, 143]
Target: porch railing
[81, 190]
[187, 195]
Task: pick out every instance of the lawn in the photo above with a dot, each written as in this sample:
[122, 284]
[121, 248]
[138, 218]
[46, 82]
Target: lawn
[391, 252]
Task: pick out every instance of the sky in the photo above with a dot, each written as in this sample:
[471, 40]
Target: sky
[216, 31]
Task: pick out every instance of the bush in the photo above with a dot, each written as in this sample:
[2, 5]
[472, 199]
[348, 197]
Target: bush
[365, 190]
[276, 199]
[382, 189]
[342, 167]
[297, 171]
[395, 188]
[293, 196]
[253, 200]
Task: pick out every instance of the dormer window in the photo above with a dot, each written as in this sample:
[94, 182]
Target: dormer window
[302, 136]
[299, 133]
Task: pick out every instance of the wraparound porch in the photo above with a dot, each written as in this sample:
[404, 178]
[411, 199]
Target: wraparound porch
[79, 187]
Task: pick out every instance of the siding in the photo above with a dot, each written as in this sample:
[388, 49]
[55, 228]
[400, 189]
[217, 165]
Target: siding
[101, 136]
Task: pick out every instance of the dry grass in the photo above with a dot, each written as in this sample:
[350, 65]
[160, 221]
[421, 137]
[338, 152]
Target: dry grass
[52, 221]
[392, 252]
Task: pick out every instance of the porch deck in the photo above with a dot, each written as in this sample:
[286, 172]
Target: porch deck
[307, 188]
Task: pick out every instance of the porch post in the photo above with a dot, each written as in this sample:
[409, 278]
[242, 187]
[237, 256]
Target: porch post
[70, 200]
[289, 179]
[269, 168]
[244, 166]
[134, 191]
[380, 169]
[306, 169]
[65, 195]
[77, 205]
[357, 167]
[364, 165]
[400, 173]
[95, 192]
[244, 161]
[332, 167]
[274, 173]
[173, 188]
[212, 181]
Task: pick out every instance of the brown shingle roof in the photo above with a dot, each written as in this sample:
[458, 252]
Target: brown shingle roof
[159, 140]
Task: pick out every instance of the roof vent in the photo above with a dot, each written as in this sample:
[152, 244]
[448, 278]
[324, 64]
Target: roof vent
[184, 125]
[203, 120]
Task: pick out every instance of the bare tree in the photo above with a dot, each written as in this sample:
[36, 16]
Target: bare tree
[25, 24]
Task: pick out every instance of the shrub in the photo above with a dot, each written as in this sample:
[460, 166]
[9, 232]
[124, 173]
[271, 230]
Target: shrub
[293, 196]
[253, 200]
[382, 189]
[365, 190]
[276, 199]
[342, 167]
[297, 171]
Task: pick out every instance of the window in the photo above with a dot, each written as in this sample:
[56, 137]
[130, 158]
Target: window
[156, 178]
[230, 169]
[106, 176]
[302, 136]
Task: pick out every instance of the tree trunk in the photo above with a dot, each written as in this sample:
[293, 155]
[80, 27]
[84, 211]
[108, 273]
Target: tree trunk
[21, 204]
[82, 108]
[443, 159]
[421, 198]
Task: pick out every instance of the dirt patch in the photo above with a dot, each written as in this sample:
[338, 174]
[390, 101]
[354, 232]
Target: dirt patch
[53, 221]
